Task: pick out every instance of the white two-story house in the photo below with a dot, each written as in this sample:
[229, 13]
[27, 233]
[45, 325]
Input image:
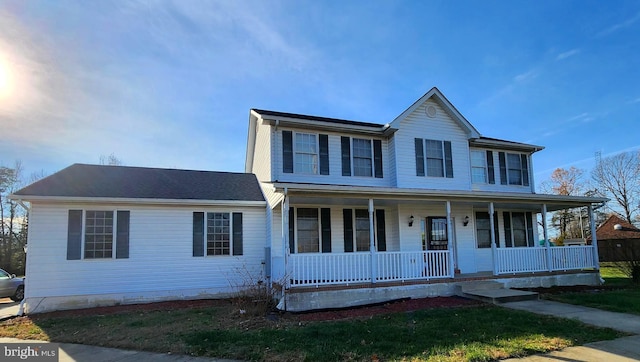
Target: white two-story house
[363, 212]
[330, 213]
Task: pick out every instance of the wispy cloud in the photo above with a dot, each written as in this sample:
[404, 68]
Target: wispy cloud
[567, 54]
[619, 26]
[526, 76]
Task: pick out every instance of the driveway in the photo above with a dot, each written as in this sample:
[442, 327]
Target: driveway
[8, 308]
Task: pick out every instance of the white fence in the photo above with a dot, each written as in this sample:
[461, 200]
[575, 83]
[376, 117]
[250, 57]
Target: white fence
[523, 260]
[349, 268]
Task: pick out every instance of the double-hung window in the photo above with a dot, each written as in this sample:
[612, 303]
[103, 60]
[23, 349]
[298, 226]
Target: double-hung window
[434, 157]
[518, 229]
[308, 230]
[217, 233]
[361, 157]
[478, 167]
[98, 234]
[306, 153]
[514, 169]
[357, 231]
[483, 229]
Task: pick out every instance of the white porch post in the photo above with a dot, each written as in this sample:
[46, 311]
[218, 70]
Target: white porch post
[372, 244]
[494, 251]
[594, 239]
[285, 239]
[547, 245]
[450, 240]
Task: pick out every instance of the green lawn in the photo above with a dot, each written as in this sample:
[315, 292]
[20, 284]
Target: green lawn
[624, 298]
[478, 333]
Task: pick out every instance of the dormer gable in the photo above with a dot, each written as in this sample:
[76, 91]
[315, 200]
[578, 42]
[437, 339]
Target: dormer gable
[449, 108]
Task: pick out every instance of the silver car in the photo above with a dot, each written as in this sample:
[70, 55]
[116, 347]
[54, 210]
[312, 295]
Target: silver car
[11, 286]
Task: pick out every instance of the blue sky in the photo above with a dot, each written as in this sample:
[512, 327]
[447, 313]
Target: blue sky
[170, 84]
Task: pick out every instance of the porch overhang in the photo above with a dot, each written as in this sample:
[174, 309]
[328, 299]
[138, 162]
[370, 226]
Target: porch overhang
[343, 194]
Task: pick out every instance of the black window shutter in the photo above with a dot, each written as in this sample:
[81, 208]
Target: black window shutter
[529, 221]
[346, 155]
[122, 235]
[325, 225]
[74, 235]
[324, 154]
[347, 217]
[381, 230]
[507, 228]
[198, 234]
[419, 157]
[525, 170]
[237, 233]
[292, 232]
[287, 152]
[377, 158]
[448, 159]
[490, 170]
[503, 168]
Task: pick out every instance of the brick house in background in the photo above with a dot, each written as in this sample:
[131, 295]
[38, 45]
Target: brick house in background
[618, 240]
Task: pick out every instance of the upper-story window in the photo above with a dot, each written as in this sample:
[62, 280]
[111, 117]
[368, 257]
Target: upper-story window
[361, 157]
[482, 171]
[306, 153]
[514, 169]
[437, 160]
[309, 154]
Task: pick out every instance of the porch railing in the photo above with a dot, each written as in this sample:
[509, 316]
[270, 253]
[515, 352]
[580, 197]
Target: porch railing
[537, 259]
[348, 268]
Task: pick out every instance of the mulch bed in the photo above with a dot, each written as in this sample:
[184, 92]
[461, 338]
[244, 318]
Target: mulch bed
[407, 305]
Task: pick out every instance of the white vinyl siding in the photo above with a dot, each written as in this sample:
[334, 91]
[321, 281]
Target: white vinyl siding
[442, 127]
[160, 264]
[335, 165]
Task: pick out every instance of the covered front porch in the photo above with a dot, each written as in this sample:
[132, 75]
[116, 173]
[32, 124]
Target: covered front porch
[417, 237]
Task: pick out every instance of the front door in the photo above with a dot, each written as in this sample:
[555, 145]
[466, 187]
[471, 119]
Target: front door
[437, 237]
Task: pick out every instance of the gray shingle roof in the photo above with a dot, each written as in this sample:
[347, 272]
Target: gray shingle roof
[80, 180]
[265, 112]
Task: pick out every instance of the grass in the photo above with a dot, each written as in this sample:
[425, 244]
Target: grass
[479, 333]
[624, 298]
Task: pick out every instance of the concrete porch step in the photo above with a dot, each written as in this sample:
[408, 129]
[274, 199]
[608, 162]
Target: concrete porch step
[498, 296]
[465, 287]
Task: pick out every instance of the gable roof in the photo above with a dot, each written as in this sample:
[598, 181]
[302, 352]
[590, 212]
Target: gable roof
[123, 182]
[435, 93]
[607, 230]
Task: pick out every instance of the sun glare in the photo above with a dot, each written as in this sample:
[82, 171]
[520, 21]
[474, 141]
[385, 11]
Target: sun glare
[5, 80]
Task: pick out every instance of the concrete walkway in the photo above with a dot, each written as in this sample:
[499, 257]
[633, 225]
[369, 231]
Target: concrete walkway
[70, 352]
[621, 349]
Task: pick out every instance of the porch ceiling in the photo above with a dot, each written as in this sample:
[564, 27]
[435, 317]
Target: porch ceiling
[315, 194]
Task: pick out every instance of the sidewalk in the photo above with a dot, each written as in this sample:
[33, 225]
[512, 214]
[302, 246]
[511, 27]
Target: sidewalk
[621, 349]
[70, 352]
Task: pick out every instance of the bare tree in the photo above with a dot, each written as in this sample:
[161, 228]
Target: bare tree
[618, 178]
[111, 160]
[567, 182]
[12, 219]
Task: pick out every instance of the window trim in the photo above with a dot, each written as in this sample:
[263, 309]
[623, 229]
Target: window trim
[296, 152]
[205, 234]
[484, 167]
[378, 244]
[297, 225]
[528, 229]
[422, 158]
[353, 156]
[525, 172]
[496, 229]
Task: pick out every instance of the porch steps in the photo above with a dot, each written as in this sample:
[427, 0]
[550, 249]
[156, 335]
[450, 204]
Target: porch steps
[492, 292]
